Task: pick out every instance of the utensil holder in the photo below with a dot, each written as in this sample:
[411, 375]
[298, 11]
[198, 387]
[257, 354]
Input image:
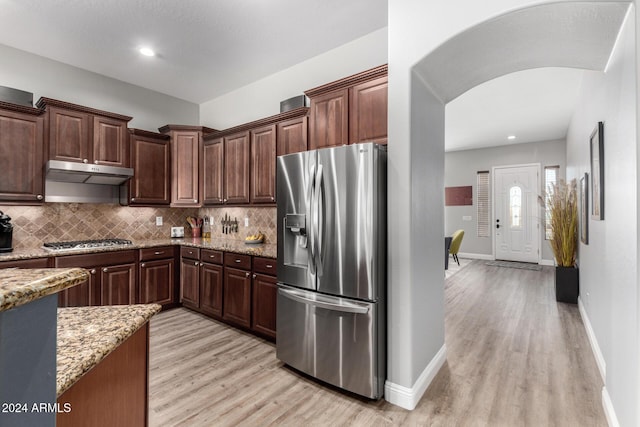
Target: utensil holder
[196, 232]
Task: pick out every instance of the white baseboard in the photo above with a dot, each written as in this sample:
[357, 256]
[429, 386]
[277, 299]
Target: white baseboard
[595, 348]
[408, 398]
[547, 262]
[476, 256]
[609, 412]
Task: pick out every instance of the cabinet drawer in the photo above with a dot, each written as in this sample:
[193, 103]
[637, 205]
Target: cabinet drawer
[27, 263]
[211, 256]
[150, 254]
[237, 260]
[265, 266]
[97, 259]
[191, 253]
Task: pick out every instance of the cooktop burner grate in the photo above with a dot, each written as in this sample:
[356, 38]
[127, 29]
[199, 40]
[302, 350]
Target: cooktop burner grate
[85, 244]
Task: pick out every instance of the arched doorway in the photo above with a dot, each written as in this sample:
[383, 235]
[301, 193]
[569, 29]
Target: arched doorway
[567, 34]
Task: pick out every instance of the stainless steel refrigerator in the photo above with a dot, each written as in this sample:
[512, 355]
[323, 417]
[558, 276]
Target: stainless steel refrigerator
[332, 265]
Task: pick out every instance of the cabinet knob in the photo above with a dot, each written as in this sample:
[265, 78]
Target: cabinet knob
[93, 271]
[269, 266]
[247, 274]
[224, 200]
[133, 199]
[95, 162]
[273, 199]
[254, 276]
[195, 200]
[158, 252]
[201, 264]
[85, 161]
[104, 270]
[219, 200]
[39, 197]
[196, 263]
[238, 261]
[142, 265]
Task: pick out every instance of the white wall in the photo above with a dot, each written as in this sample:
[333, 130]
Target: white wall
[608, 264]
[52, 79]
[262, 98]
[416, 28]
[460, 169]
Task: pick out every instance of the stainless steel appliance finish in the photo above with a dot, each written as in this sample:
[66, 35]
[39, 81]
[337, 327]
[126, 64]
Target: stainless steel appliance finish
[332, 265]
[86, 173]
[16, 96]
[85, 244]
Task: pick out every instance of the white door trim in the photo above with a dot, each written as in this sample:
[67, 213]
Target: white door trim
[538, 167]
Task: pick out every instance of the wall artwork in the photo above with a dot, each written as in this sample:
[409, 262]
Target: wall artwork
[458, 196]
[584, 209]
[597, 172]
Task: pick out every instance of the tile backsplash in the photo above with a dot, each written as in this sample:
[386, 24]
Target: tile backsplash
[34, 225]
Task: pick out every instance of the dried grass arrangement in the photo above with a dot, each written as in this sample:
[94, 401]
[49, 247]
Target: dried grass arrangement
[563, 205]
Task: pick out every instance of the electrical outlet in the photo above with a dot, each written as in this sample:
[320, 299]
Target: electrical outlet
[158, 221]
[246, 221]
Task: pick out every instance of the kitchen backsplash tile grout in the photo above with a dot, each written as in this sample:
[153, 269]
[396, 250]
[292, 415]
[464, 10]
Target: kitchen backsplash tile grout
[34, 225]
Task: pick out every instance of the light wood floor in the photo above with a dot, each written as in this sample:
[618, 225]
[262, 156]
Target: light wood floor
[514, 358]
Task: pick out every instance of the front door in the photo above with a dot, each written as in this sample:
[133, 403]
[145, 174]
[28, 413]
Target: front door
[517, 219]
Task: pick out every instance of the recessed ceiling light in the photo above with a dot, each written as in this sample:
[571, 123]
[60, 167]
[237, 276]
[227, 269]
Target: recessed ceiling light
[511, 137]
[146, 51]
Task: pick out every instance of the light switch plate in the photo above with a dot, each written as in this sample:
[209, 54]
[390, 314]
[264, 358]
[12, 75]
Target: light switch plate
[158, 221]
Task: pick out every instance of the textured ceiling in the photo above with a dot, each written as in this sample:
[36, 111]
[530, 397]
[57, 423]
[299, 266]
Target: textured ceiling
[205, 47]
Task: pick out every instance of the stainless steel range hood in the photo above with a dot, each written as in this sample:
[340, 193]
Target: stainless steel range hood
[84, 173]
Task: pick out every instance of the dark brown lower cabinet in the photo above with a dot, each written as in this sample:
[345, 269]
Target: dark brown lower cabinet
[190, 283]
[118, 284]
[237, 297]
[211, 289]
[265, 295]
[157, 282]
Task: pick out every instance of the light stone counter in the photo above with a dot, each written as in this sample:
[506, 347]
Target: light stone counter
[86, 335]
[20, 286]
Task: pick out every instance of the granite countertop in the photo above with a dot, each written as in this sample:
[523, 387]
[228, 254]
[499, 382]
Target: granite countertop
[86, 335]
[267, 250]
[20, 286]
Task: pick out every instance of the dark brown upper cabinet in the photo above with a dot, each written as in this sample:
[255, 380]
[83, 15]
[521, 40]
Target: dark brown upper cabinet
[151, 162]
[240, 162]
[82, 134]
[292, 136]
[21, 154]
[213, 172]
[263, 164]
[186, 164]
[236, 161]
[350, 110]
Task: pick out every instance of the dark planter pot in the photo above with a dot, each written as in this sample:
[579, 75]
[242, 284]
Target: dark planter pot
[567, 286]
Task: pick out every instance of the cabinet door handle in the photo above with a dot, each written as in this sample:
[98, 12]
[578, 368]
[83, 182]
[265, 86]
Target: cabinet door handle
[93, 271]
[238, 261]
[158, 252]
[269, 266]
[142, 265]
[212, 256]
[39, 197]
[246, 274]
[104, 270]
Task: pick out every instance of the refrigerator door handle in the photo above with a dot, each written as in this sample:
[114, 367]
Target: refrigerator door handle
[319, 214]
[345, 307]
[312, 220]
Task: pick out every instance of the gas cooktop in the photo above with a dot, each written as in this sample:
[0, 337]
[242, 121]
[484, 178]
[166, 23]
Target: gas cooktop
[85, 244]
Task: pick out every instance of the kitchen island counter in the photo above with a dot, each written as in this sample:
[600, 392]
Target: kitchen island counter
[21, 286]
[87, 335]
